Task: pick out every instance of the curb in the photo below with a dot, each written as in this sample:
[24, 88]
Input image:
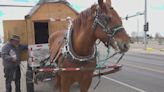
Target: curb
[150, 53]
[149, 49]
[162, 50]
[152, 49]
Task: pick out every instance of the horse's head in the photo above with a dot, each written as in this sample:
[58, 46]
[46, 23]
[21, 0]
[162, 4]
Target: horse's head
[108, 26]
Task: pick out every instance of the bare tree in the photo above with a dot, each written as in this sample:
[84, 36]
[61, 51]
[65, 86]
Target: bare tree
[134, 34]
[157, 36]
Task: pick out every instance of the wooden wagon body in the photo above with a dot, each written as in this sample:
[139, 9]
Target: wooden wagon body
[44, 18]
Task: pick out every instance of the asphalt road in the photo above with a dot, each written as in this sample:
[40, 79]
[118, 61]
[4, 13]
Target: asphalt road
[140, 73]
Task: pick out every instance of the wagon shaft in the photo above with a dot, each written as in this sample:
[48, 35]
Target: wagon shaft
[114, 70]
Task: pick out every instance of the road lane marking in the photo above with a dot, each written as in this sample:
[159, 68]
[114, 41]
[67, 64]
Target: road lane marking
[145, 68]
[122, 83]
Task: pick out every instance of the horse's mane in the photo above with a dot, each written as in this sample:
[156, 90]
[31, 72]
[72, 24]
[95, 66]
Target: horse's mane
[81, 20]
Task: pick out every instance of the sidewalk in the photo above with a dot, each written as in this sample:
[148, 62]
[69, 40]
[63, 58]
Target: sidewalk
[151, 48]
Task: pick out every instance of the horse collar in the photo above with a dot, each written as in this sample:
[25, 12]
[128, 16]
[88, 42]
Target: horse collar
[67, 50]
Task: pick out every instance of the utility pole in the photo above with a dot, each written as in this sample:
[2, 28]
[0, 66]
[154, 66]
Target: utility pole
[131, 16]
[146, 25]
[137, 30]
[135, 15]
[9, 5]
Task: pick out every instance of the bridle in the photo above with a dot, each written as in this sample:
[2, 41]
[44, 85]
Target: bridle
[99, 20]
[102, 20]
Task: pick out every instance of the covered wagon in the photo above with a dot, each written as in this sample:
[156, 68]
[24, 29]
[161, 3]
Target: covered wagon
[46, 17]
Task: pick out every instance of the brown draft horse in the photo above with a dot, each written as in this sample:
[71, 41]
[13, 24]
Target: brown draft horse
[100, 21]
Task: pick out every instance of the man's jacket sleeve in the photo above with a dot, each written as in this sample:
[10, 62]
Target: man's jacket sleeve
[24, 47]
[5, 54]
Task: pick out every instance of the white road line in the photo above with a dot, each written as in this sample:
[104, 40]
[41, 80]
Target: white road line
[122, 83]
[146, 68]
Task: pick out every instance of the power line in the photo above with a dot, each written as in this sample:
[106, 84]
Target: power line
[4, 5]
[131, 16]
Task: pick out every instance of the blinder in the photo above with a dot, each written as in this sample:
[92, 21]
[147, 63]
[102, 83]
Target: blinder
[103, 20]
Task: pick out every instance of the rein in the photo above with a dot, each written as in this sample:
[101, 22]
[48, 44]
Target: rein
[102, 21]
[99, 20]
[114, 54]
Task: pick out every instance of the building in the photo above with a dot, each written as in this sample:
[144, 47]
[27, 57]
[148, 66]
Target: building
[45, 17]
[42, 20]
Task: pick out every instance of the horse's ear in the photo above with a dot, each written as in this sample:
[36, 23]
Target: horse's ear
[108, 2]
[101, 3]
[93, 9]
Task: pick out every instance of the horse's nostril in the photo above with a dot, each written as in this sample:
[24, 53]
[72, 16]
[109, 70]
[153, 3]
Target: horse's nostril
[125, 46]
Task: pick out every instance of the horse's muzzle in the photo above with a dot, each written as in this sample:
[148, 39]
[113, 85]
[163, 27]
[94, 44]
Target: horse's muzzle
[123, 47]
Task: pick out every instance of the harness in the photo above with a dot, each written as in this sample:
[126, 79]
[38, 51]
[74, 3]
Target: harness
[67, 50]
[102, 21]
[99, 20]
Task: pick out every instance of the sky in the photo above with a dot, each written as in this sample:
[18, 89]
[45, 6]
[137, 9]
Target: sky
[123, 7]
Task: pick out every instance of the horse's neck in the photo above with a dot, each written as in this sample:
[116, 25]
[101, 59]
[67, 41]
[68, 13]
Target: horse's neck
[83, 41]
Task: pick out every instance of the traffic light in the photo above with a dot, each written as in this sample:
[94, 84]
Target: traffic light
[146, 27]
[127, 17]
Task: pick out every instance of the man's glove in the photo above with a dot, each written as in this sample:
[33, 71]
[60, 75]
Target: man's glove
[14, 58]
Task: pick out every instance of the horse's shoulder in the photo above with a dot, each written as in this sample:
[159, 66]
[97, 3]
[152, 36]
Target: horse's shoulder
[56, 35]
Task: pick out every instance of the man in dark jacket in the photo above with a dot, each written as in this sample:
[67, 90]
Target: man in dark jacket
[11, 61]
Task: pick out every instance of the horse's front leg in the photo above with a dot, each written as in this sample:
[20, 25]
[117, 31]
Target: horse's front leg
[85, 84]
[65, 84]
[57, 83]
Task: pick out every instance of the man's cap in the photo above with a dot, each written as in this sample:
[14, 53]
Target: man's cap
[15, 37]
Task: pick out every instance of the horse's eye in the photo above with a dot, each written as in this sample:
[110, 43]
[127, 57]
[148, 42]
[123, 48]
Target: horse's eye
[111, 8]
